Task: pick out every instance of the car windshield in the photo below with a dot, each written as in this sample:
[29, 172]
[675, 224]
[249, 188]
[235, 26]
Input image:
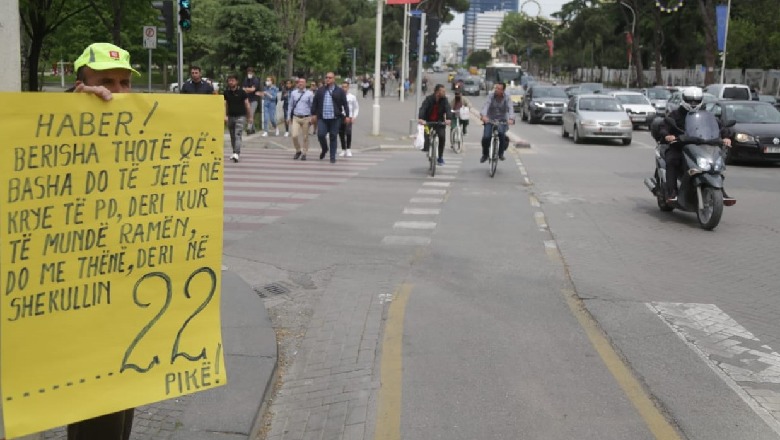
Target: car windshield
[632, 99]
[549, 92]
[470, 82]
[758, 113]
[658, 94]
[600, 105]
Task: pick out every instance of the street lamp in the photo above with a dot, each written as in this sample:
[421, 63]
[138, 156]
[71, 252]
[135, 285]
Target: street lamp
[630, 49]
[517, 42]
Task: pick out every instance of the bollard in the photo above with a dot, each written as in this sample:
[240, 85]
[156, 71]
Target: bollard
[115, 426]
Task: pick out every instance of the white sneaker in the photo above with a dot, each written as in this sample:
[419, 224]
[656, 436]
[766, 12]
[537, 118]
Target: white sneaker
[349, 153]
[342, 154]
[286, 134]
[234, 157]
[265, 134]
[277, 132]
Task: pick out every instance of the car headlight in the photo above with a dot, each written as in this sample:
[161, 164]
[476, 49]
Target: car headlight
[704, 163]
[588, 123]
[625, 123]
[744, 137]
[538, 104]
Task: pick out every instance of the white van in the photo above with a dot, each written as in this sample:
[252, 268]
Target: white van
[729, 91]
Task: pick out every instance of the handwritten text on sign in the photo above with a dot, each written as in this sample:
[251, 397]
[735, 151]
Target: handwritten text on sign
[110, 253]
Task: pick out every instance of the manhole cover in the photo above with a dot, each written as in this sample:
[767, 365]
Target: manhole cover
[271, 289]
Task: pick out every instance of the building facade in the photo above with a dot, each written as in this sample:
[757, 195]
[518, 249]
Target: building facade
[470, 28]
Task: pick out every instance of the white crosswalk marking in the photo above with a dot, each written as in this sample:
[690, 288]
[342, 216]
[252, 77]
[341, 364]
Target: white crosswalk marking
[751, 369]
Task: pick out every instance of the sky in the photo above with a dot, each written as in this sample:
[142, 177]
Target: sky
[453, 31]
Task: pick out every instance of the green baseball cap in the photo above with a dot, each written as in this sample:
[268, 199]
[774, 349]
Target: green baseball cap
[104, 56]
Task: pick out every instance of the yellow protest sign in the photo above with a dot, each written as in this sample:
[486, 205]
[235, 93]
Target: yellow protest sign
[110, 253]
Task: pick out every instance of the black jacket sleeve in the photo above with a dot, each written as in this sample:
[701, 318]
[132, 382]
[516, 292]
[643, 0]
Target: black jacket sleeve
[316, 103]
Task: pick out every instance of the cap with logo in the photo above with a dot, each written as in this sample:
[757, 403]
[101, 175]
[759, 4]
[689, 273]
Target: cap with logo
[104, 56]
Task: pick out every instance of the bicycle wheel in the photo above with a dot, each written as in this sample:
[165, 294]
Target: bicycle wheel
[493, 156]
[433, 151]
[457, 139]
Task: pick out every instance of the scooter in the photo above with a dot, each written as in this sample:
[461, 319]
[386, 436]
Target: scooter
[701, 180]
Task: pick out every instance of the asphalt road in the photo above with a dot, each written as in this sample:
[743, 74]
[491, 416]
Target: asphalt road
[553, 301]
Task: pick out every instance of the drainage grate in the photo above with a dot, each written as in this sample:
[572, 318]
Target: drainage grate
[271, 289]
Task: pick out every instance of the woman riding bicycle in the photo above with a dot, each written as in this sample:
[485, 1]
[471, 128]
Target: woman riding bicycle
[436, 108]
[457, 104]
[497, 108]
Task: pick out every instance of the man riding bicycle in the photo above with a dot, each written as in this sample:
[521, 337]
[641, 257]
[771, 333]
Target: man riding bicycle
[497, 108]
[436, 108]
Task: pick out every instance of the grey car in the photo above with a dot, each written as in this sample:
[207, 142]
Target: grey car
[543, 104]
[471, 86]
[596, 117]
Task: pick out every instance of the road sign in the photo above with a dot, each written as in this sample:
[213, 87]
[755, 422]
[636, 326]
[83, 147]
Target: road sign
[150, 37]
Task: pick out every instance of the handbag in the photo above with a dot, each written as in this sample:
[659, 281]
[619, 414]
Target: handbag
[419, 141]
[464, 112]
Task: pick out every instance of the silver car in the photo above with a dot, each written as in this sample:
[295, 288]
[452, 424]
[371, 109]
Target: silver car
[596, 117]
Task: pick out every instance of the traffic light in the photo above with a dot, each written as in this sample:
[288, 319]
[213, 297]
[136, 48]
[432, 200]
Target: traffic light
[185, 15]
[166, 16]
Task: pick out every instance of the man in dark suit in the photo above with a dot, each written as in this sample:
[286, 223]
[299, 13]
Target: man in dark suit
[330, 102]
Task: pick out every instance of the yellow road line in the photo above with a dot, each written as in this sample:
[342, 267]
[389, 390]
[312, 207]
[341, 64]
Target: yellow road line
[388, 421]
[655, 420]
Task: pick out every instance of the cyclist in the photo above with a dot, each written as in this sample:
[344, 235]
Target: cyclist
[457, 104]
[497, 108]
[436, 108]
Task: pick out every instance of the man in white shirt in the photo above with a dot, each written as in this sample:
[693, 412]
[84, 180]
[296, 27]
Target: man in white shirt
[345, 130]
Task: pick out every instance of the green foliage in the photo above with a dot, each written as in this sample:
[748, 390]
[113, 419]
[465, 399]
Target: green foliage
[321, 49]
[248, 36]
[479, 58]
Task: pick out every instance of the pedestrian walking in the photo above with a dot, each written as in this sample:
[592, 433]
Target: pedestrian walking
[237, 110]
[365, 85]
[270, 99]
[299, 116]
[345, 128]
[384, 85]
[313, 88]
[288, 87]
[103, 69]
[330, 103]
[196, 85]
[251, 87]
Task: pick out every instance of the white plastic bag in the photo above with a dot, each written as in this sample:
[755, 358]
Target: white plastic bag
[419, 141]
[464, 112]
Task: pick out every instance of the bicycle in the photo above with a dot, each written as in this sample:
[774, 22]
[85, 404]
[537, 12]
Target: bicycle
[494, 145]
[433, 144]
[456, 133]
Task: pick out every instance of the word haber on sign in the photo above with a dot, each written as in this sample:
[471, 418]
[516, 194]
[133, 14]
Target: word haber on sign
[110, 254]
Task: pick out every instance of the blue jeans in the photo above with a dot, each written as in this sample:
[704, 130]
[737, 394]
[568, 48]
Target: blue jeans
[269, 115]
[487, 134]
[329, 127]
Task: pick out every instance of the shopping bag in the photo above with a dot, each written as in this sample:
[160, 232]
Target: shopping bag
[419, 141]
[464, 112]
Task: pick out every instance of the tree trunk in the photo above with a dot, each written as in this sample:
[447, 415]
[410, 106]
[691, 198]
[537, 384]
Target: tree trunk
[710, 39]
[658, 42]
[33, 58]
[290, 60]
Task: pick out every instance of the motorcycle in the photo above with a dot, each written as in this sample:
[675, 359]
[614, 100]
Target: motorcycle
[701, 179]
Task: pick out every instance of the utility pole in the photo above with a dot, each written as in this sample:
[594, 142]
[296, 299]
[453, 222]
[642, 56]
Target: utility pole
[377, 65]
[10, 35]
[404, 52]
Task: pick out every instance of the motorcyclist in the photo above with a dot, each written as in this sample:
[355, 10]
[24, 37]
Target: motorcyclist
[691, 101]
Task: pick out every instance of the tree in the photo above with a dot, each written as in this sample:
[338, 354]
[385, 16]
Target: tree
[292, 14]
[707, 8]
[249, 35]
[479, 58]
[41, 18]
[321, 49]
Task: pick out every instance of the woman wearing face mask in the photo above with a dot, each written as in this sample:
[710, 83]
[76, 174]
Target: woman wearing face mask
[269, 106]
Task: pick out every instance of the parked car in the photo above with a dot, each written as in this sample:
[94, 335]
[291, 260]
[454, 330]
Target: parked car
[470, 86]
[543, 104]
[638, 107]
[729, 91]
[596, 116]
[658, 97]
[517, 94]
[757, 129]
[770, 99]
[676, 99]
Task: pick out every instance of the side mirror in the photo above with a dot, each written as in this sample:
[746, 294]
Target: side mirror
[730, 123]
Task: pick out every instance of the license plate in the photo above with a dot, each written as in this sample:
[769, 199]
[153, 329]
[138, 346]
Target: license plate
[556, 110]
[637, 118]
[773, 149]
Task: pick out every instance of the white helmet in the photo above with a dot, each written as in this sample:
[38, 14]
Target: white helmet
[692, 98]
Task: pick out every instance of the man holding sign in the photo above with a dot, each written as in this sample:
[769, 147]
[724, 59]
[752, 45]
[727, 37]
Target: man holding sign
[103, 69]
